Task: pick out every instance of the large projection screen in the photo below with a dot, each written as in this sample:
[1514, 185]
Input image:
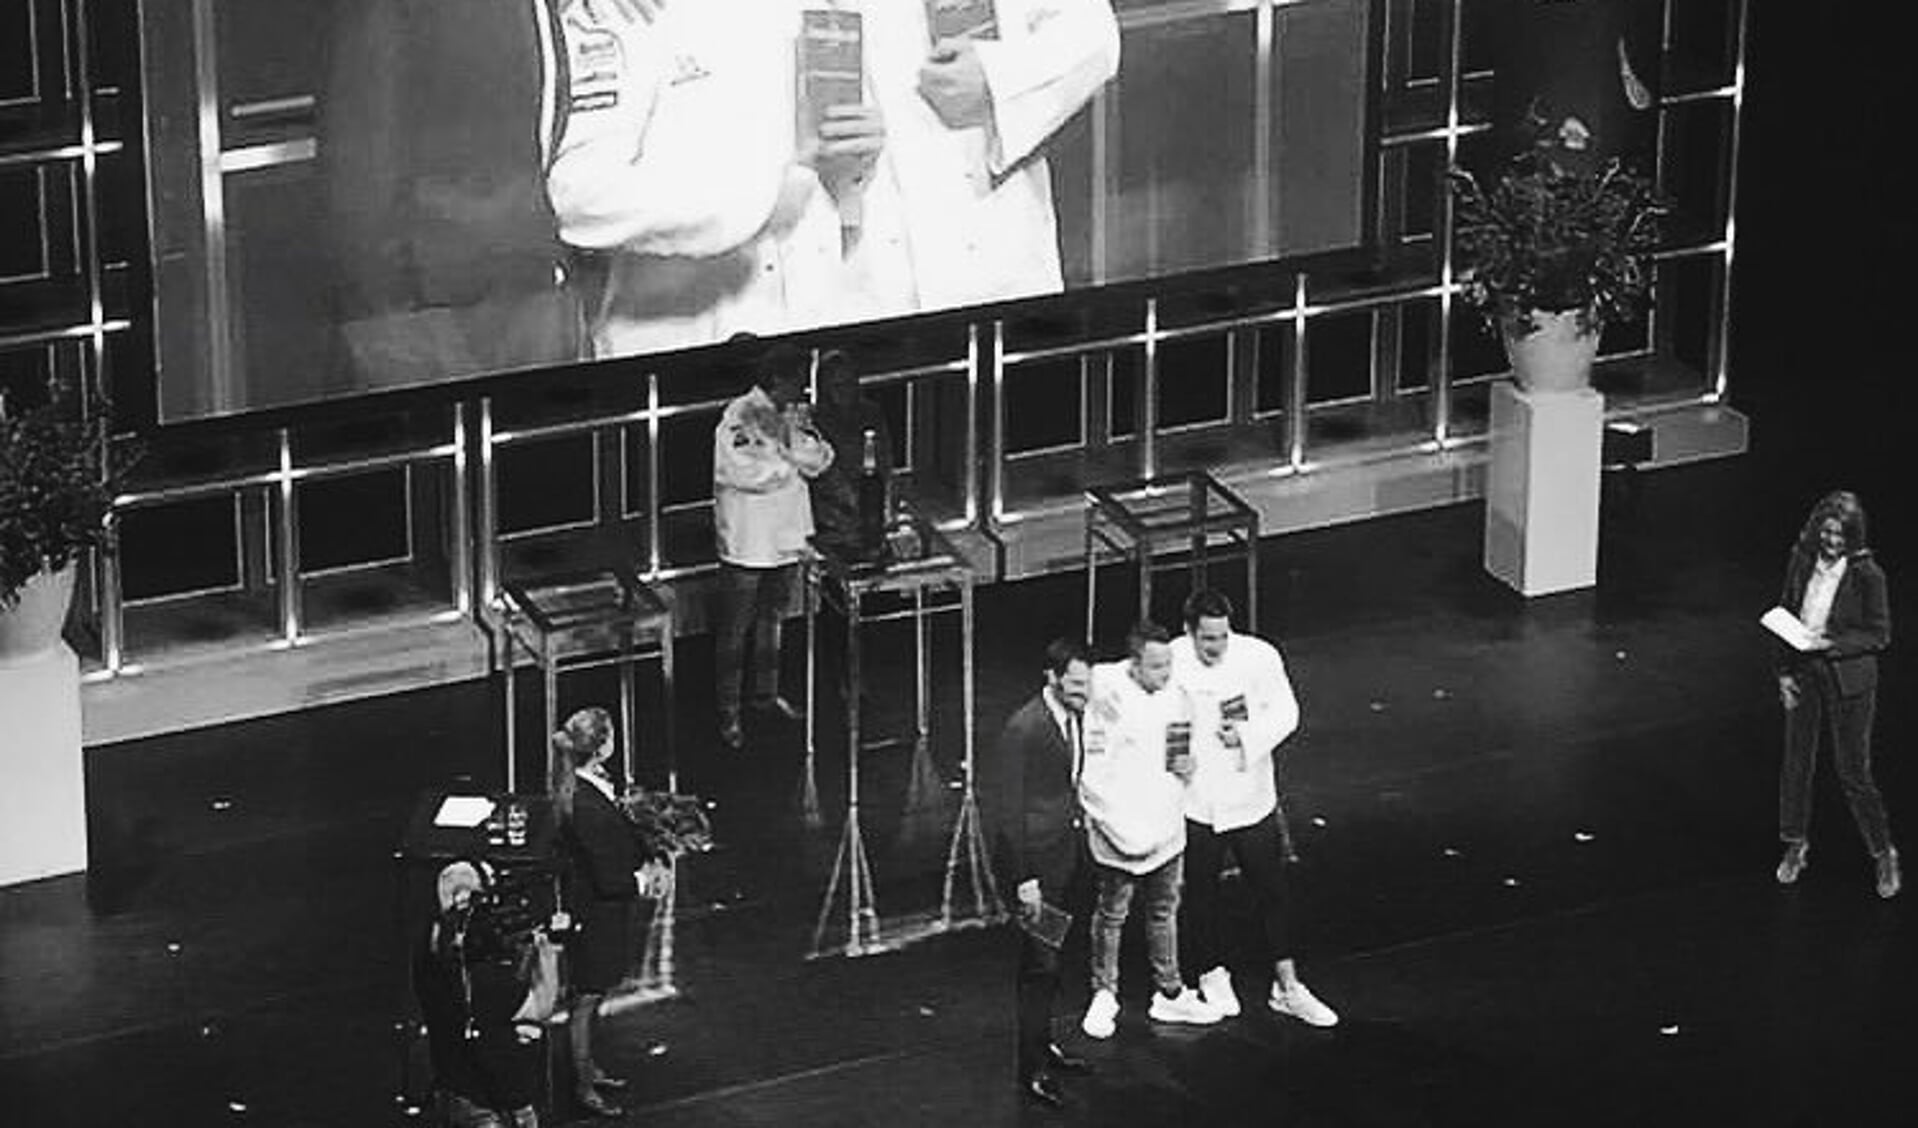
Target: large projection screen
[350, 196]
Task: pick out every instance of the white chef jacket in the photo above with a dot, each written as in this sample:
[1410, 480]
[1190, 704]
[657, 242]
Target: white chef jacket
[762, 510]
[675, 155]
[1225, 793]
[1134, 807]
[961, 217]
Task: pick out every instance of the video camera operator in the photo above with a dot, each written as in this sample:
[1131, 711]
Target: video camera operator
[481, 973]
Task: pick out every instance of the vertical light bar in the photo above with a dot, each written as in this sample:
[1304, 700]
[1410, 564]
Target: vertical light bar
[1721, 338]
[970, 473]
[219, 312]
[655, 552]
[1658, 165]
[1265, 200]
[1149, 395]
[912, 432]
[1104, 171]
[94, 401]
[89, 203]
[1295, 382]
[488, 531]
[1376, 373]
[996, 435]
[1441, 377]
[289, 545]
[112, 606]
[462, 516]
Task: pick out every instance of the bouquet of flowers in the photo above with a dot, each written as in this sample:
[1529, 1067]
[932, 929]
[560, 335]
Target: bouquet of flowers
[666, 825]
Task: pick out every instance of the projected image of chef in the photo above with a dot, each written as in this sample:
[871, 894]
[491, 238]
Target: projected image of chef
[762, 166]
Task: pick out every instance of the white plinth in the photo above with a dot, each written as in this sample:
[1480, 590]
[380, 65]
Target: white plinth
[43, 801]
[1541, 490]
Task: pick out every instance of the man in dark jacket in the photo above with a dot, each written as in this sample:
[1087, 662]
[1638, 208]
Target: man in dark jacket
[1837, 591]
[1041, 846]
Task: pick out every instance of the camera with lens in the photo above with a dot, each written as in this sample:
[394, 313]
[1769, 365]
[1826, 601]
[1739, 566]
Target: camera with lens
[500, 918]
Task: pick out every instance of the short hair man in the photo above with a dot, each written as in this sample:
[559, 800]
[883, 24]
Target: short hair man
[764, 449]
[1243, 708]
[1041, 846]
[1133, 790]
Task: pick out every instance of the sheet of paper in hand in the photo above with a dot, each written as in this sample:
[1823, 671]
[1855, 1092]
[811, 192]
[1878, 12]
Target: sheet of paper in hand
[1046, 924]
[1788, 627]
[1178, 741]
[831, 61]
[958, 19]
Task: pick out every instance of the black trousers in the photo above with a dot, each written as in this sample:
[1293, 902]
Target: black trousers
[1847, 723]
[1260, 849]
[1039, 967]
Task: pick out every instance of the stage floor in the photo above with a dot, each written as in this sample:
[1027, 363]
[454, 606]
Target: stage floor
[1537, 839]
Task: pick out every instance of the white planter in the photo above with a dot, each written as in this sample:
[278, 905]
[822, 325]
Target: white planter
[1555, 356]
[1541, 489]
[33, 626]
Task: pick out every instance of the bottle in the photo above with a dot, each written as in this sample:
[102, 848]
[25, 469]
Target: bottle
[871, 498]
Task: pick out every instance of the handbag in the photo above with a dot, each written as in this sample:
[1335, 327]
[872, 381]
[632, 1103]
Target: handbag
[540, 970]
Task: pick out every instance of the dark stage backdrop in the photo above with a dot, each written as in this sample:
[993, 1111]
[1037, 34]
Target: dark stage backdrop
[356, 195]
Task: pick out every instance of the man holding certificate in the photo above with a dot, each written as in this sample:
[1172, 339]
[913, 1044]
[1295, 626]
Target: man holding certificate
[958, 209]
[1138, 733]
[1041, 846]
[1243, 708]
[698, 157]
[1838, 620]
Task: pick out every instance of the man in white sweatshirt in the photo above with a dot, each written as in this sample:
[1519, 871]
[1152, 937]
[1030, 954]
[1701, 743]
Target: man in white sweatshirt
[1133, 791]
[765, 449]
[1243, 707]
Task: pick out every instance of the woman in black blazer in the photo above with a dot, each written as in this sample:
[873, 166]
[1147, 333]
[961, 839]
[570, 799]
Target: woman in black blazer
[1834, 585]
[602, 884]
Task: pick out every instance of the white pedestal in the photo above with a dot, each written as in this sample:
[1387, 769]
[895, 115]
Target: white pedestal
[1541, 490]
[43, 800]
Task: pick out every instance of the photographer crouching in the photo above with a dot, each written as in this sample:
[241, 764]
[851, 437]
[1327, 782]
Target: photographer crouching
[486, 976]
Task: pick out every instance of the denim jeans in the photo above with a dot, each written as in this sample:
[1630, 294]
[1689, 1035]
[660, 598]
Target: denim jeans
[1161, 888]
[751, 601]
[1847, 721]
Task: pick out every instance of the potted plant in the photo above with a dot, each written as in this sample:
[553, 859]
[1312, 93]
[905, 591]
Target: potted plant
[55, 494]
[1550, 256]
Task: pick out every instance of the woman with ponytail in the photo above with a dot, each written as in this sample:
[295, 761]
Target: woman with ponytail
[601, 887]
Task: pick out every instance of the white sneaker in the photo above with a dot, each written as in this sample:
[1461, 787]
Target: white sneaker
[1186, 1006]
[1302, 1004]
[1216, 987]
[1102, 1015]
